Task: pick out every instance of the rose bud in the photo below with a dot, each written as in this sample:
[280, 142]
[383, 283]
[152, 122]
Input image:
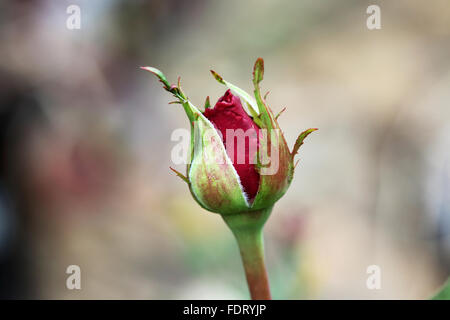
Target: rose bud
[240, 183]
[226, 185]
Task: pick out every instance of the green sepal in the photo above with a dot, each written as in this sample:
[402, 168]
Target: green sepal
[258, 71]
[189, 108]
[214, 181]
[280, 113]
[207, 103]
[265, 113]
[162, 78]
[300, 139]
[272, 186]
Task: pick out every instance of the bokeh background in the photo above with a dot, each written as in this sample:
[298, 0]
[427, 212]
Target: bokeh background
[85, 140]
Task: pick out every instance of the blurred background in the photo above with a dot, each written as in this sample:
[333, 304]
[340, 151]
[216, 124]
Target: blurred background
[85, 140]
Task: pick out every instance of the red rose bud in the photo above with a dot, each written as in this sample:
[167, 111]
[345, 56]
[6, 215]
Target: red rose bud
[241, 182]
[228, 116]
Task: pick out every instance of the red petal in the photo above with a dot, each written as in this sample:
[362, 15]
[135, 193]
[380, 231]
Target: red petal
[228, 113]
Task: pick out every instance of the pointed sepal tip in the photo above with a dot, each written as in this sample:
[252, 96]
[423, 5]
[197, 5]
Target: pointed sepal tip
[300, 139]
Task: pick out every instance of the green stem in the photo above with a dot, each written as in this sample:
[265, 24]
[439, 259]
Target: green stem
[247, 228]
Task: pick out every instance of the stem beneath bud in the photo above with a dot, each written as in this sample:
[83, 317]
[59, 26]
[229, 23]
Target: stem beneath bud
[247, 228]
